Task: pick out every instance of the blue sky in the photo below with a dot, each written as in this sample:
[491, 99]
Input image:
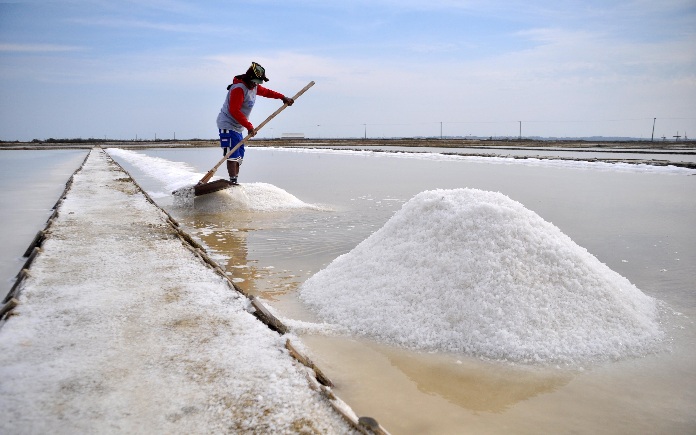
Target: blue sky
[155, 68]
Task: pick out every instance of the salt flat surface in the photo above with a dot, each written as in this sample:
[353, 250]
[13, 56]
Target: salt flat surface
[550, 162]
[180, 175]
[121, 329]
[473, 271]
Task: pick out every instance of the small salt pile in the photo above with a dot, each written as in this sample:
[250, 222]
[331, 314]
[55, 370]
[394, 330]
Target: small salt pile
[475, 272]
[180, 178]
[262, 197]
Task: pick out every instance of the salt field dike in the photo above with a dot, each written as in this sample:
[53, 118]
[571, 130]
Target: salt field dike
[121, 327]
[349, 286]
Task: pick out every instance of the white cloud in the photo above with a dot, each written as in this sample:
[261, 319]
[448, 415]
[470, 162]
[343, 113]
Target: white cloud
[152, 25]
[38, 48]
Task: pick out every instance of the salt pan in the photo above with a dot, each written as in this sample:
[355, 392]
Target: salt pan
[475, 272]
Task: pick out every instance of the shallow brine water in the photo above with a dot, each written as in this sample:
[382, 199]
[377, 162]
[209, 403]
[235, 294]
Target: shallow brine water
[30, 184]
[637, 220]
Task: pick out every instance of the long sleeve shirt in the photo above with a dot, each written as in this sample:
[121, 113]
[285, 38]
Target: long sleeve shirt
[234, 114]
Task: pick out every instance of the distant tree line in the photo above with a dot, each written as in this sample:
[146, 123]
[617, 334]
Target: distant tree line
[93, 140]
[80, 140]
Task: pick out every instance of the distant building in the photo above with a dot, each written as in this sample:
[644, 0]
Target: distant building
[292, 135]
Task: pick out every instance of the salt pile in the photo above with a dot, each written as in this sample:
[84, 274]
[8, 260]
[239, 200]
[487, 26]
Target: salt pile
[251, 197]
[173, 175]
[475, 272]
[179, 176]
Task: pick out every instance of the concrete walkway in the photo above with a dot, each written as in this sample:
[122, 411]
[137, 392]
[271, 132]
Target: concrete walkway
[122, 329]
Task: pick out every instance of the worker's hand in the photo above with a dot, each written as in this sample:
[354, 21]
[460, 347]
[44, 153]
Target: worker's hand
[288, 101]
[252, 132]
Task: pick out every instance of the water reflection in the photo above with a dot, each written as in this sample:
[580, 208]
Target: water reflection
[263, 252]
[30, 184]
[417, 393]
[474, 384]
[227, 241]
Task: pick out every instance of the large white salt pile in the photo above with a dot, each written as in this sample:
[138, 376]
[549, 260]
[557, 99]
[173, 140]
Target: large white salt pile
[475, 272]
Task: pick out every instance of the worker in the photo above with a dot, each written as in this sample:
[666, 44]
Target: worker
[234, 115]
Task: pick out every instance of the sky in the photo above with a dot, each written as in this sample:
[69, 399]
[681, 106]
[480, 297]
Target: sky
[151, 69]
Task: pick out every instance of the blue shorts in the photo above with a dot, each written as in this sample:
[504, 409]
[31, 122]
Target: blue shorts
[228, 140]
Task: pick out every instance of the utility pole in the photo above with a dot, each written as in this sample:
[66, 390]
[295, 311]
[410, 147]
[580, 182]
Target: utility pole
[365, 130]
[652, 138]
[440, 130]
[520, 130]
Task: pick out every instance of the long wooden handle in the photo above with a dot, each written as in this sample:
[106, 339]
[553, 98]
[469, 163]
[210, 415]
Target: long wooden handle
[210, 173]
